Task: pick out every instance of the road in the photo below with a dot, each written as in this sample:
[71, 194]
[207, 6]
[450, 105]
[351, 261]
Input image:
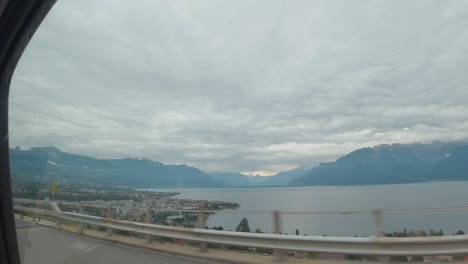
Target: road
[44, 245]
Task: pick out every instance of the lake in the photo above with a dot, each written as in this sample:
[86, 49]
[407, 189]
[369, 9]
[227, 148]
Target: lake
[342, 198]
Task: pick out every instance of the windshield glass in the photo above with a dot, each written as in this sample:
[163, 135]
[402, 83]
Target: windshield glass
[310, 118]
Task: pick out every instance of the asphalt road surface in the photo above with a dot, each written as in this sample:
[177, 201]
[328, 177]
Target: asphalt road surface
[44, 245]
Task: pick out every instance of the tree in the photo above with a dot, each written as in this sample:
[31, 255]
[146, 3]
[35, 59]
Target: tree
[420, 233]
[460, 232]
[436, 233]
[258, 230]
[417, 259]
[243, 226]
[398, 259]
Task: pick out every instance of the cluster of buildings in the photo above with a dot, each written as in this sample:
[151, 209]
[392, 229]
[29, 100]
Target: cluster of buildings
[165, 203]
[132, 210]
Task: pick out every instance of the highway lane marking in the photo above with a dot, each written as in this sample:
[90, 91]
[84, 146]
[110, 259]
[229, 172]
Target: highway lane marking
[94, 247]
[85, 247]
[80, 245]
[76, 257]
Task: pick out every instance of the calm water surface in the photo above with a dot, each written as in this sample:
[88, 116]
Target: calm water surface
[405, 196]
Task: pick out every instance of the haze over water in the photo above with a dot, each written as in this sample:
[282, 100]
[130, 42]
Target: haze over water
[341, 198]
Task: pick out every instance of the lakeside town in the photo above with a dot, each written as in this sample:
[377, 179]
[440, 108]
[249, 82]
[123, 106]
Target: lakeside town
[167, 209]
[127, 203]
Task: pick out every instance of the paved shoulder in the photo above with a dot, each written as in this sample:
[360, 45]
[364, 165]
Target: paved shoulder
[43, 245]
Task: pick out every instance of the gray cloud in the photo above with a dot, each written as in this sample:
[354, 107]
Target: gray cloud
[242, 85]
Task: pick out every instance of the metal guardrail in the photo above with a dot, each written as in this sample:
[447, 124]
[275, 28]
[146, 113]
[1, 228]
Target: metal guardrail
[380, 246]
[283, 212]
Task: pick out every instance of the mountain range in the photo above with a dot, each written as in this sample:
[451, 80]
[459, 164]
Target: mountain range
[382, 164]
[237, 179]
[392, 164]
[51, 165]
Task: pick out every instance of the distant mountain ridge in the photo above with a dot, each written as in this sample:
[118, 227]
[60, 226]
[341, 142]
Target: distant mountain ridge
[382, 164]
[392, 164]
[283, 178]
[49, 164]
[237, 179]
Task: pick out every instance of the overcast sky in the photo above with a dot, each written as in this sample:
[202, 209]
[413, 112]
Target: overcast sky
[251, 86]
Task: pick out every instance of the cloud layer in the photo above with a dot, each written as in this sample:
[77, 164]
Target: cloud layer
[242, 85]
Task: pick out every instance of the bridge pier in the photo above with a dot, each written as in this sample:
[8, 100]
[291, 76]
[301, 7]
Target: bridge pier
[378, 223]
[81, 225]
[202, 224]
[148, 220]
[377, 215]
[110, 215]
[58, 222]
[279, 253]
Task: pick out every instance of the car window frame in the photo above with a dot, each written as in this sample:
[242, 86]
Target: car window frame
[19, 20]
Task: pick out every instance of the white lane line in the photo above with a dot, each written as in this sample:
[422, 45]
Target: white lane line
[76, 257]
[93, 247]
[80, 246]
